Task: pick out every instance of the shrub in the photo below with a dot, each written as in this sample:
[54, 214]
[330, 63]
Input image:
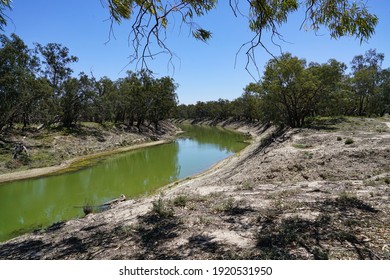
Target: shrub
[348, 141]
[160, 209]
[180, 201]
[87, 209]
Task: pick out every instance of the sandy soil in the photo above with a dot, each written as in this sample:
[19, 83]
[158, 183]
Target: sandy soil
[319, 193]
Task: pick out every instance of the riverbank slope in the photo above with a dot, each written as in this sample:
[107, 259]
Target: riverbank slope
[318, 193]
[58, 150]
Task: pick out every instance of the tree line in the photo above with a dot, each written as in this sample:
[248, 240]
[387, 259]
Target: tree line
[37, 87]
[292, 90]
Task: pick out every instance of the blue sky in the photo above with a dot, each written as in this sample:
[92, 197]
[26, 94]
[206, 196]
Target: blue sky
[203, 71]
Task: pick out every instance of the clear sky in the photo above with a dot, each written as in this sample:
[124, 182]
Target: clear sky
[203, 71]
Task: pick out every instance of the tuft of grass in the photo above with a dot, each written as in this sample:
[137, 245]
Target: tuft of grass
[88, 207]
[246, 186]
[339, 138]
[349, 141]
[301, 146]
[180, 201]
[161, 209]
[308, 155]
[387, 180]
[204, 220]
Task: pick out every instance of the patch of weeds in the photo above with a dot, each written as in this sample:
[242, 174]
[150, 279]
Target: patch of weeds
[227, 205]
[205, 220]
[348, 141]
[246, 186]
[339, 138]
[301, 146]
[13, 164]
[161, 209]
[308, 155]
[88, 207]
[180, 201]
[370, 183]
[387, 180]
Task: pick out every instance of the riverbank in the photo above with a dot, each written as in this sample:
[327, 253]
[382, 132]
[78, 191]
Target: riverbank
[56, 151]
[318, 193]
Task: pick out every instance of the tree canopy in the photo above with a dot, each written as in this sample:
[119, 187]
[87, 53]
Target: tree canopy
[37, 87]
[293, 92]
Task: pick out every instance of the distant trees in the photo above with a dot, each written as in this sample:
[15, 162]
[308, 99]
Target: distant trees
[37, 86]
[18, 69]
[292, 90]
[366, 79]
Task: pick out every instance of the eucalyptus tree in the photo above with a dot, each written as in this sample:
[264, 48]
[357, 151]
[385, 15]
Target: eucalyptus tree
[291, 90]
[104, 103]
[56, 69]
[18, 68]
[380, 102]
[71, 102]
[56, 60]
[366, 76]
[332, 97]
[162, 100]
[251, 101]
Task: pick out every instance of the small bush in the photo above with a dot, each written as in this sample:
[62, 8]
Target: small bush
[160, 209]
[339, 138]
[387, 180]
[180, 201]
[88, 208]
[227, 205]
[349, 141]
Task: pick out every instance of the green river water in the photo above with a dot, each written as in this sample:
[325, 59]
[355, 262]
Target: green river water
[40, 202]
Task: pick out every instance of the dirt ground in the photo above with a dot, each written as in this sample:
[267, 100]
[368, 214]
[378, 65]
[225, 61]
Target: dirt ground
[315, 193]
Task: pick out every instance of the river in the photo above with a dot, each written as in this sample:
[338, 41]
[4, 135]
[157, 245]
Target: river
[40, 202]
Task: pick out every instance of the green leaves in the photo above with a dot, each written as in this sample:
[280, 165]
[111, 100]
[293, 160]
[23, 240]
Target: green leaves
[120, 9]
[4, 5]
[342, 18]
[202, 34]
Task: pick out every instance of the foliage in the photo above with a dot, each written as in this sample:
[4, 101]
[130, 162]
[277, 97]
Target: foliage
[161, 209]
[293, 92]
[348, 141]
[4, 5]
[37, 87]
[180, 201]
